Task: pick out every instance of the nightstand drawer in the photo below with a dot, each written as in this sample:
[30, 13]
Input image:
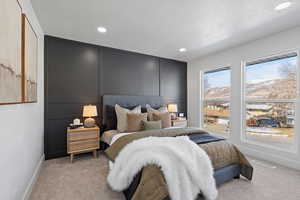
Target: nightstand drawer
[83, 145]
[179, 123]
[85, 135]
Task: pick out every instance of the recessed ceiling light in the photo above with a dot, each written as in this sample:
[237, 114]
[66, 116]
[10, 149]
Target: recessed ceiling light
[101, 29]
[283, 5]
[182, 49]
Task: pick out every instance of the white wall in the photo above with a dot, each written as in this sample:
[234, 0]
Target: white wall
[22, 132]
[274, 44]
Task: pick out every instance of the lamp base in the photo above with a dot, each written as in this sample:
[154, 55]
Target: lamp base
[89, 122]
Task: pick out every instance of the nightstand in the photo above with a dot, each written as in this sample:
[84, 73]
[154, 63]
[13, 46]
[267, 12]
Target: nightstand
[82, 140]
[179, 123]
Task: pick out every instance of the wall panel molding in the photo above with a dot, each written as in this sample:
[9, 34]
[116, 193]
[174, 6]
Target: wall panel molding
[78, 73]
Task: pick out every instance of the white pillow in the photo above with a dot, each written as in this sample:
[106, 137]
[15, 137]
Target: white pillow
[122, 116]
[151, 110]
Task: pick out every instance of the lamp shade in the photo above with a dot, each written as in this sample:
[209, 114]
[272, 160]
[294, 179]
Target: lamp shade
[172, 108]
[90, 111]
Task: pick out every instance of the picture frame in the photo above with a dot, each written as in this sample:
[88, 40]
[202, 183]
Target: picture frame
[29, 61]
[11, 83]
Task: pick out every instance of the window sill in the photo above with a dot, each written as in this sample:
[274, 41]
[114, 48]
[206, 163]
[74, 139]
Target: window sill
[216, 133]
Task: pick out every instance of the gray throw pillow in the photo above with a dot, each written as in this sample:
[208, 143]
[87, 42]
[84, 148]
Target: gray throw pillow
[150, 125]
[151, 110]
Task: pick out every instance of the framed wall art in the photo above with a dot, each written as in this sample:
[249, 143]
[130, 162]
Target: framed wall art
[10, 52]
[29, 61]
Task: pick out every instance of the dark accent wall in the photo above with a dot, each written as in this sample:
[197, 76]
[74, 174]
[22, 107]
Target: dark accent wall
[77, 74]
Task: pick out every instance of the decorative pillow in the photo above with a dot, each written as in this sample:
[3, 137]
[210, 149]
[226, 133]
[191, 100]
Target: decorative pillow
[151, 110]
[149, 125]
[135, 121]
[122, 116]
[164, 117]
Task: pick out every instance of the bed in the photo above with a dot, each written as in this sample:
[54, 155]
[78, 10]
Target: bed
[221, 174]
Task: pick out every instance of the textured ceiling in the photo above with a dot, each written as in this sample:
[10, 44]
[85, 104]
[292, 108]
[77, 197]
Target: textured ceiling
[161, 27]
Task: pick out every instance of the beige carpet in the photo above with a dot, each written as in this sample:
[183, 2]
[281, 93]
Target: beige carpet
[85, 180]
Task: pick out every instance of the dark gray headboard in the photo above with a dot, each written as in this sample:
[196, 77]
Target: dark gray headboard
[109, 101]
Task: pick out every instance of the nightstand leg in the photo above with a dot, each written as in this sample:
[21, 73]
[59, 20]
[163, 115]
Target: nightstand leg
[95, 153]
[71, 157]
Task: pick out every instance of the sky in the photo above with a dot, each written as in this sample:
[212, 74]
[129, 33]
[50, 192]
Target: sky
[254, 73]
[218, 79]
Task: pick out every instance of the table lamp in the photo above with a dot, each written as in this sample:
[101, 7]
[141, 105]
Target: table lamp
[172, 108]
[89, 111]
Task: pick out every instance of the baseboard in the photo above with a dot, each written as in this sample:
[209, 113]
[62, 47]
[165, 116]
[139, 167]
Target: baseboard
[33, 179]
[270, 157]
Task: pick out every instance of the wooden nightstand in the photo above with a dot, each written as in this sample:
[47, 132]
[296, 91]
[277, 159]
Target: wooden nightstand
[179, 123]
[82, 140]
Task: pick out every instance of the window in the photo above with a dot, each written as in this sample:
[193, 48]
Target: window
[216, 101]
[270, 98]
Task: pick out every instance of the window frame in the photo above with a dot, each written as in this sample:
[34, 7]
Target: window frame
[244, 101]
[202, 100]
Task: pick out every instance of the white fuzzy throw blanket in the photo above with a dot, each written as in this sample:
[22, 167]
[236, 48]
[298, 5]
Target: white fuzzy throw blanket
[186, 167]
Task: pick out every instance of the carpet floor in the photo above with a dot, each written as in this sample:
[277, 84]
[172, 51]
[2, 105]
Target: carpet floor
[85, 179]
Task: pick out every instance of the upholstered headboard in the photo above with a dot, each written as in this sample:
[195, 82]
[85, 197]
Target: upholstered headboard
[109, 101]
